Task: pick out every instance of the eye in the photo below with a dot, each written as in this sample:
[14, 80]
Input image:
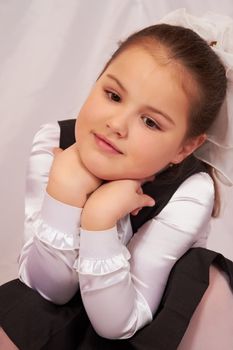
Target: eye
[113, 96]
[150, 123]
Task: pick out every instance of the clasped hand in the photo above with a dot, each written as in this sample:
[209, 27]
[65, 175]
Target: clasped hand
[103, 203]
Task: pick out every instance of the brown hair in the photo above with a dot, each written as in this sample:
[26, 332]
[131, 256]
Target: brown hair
[186, 48]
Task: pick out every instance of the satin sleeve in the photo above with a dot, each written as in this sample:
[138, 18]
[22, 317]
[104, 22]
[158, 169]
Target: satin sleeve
[51, 228]
[122, 287]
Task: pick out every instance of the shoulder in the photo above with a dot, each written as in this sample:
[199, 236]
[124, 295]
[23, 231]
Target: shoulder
[47, 130]
[199, 186]
[46, 137]
[190, 208]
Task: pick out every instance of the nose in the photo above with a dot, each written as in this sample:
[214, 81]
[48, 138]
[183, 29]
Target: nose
[118, 124]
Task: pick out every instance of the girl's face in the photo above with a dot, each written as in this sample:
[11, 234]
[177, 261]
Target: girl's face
[134, 121]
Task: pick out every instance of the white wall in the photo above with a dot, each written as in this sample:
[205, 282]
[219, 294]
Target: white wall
[50, 53]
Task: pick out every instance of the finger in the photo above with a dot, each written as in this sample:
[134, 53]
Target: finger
[139, 190]
[146, 201]
[143, 201]
[135, 211]
[57, 150]
[150, 178]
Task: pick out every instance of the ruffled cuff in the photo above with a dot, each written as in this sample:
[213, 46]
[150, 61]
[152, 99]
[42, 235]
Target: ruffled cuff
[99, 267]
[58, 224]
[54, 238]
[101, 252]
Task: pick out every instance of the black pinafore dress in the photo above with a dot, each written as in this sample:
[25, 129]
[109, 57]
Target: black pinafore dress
[34, 323]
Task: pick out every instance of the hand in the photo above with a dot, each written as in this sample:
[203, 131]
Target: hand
[112, 201]
[69, 180]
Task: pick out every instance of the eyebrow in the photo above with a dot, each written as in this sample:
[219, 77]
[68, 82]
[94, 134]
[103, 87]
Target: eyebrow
[165, 115]
[152, 109]
[117, 81]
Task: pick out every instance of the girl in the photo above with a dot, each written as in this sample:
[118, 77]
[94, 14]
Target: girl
[112, 211]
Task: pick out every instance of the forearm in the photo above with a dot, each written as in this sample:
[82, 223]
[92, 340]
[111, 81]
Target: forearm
[46, 261]
[114, 306]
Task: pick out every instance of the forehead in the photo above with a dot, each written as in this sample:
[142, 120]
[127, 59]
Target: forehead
[153, 72]
[147, 59]
[149, 63]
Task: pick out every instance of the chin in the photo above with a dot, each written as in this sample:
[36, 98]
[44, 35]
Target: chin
[104, 175]
[97, 170]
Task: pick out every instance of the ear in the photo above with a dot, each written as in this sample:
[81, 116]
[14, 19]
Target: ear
[188, 147]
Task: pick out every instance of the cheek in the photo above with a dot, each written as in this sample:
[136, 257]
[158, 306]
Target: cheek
[153, 156]
[83, 121]
[89, 114]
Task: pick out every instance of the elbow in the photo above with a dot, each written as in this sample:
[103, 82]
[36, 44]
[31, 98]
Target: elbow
[56, 299]
[58, 289]
[48, 275]
[58, 293]
[114, 335]
[117, 325]
[112, 331]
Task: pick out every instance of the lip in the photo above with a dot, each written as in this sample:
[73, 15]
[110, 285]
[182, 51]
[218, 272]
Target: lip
[106, 144]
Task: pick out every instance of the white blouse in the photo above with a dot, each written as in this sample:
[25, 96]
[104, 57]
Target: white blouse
[121, 276]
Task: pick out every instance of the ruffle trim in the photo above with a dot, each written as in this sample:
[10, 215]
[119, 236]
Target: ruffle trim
[55, 238]
[99, 267]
